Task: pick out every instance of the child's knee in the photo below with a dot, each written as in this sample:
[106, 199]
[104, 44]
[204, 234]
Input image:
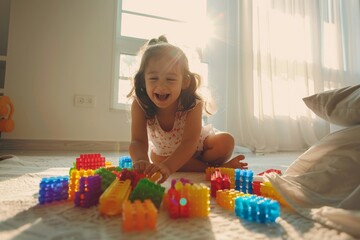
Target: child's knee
[227, 142]
[223, 147]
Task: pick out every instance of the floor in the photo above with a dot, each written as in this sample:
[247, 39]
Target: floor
[258, 162]
[22, 218]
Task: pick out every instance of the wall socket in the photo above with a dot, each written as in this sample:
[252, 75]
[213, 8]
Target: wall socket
[84, 101]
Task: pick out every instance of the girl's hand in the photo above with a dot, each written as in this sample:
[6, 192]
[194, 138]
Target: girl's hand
[141, 165]
[159, 167]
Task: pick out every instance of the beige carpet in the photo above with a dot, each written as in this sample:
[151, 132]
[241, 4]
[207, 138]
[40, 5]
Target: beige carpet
[22, 218]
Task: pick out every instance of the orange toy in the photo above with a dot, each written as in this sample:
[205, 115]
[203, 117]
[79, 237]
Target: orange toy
[111, 201]
[226, 198]
[268, 191]
[6, 113]
[138, 216]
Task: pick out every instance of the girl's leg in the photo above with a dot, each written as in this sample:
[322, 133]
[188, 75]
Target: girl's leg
[218, 150]
[193, 165]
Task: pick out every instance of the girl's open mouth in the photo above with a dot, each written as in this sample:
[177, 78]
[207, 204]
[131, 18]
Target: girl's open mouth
[162, 97]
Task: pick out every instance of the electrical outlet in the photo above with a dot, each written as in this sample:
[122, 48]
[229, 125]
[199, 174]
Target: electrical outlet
[85, 101]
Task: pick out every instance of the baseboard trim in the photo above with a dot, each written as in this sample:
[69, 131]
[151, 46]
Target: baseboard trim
[62, 145]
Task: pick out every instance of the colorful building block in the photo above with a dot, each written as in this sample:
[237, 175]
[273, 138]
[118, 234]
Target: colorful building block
[243, 180]
[199, 200]
[89, 191]
[165, 201]
[277, 171]
[146, 189]
[218, 182]
[110, 202]
[108, 164]
[182, 180]
[125, 162]
[226, 198]
[257, 209]
[257, 180]
[187, 200]
[267, 190]
[74, 181]
[108, 175]
[90, 161]
[53, 189]
[230, 172]
[178, 201]
[139, 216]
[132, 175]
[256, 187]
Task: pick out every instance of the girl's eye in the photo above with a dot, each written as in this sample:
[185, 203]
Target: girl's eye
[171, 79]
[153, 78]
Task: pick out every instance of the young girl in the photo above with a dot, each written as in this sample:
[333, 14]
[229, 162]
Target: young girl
[167, 112]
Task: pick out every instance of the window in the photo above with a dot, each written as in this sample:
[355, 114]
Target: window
[287, 50]
[331, 38]
[140, 20]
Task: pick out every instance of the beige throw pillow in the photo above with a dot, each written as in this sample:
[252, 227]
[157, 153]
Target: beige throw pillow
[324, 181]
[339, 106]
[326, 174]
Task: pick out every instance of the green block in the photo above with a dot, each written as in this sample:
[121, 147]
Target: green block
[146, 189]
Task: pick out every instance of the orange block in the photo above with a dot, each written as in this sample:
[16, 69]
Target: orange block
[139, 216]
[226, 198]
[267, 190]
[111, 201]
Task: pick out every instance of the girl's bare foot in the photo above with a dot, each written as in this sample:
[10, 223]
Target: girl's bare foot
[236, 163]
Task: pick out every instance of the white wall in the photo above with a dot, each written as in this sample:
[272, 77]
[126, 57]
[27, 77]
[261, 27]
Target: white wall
[58, 49]
[61, 48]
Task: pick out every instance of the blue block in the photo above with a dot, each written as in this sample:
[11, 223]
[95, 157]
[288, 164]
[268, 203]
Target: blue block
[243, 180]
[53, 189]
[125, 162]
[257, 209]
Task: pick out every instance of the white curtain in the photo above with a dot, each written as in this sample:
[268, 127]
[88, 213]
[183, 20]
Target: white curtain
[280, 51]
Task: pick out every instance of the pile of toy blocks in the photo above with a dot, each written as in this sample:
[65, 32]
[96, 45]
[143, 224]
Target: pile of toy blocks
[94, 182]
[185, 199]
[250, 197]
[121, 191]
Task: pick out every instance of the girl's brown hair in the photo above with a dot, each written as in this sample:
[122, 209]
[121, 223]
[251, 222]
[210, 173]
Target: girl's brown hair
[158, 47]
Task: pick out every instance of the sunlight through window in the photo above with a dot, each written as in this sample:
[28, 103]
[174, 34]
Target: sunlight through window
[331, 55]
[282, 52]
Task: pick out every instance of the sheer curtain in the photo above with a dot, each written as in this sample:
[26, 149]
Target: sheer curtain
[278, 52]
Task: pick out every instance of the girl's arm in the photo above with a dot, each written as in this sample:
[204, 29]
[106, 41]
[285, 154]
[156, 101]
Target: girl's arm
[186, 148]
[138, 148]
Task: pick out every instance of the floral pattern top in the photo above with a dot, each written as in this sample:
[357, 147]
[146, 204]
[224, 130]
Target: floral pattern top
[164, 143]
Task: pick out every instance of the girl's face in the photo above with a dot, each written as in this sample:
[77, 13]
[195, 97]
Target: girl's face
[164, 82]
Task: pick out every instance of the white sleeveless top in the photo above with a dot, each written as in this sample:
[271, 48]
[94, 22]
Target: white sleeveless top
[164, 143]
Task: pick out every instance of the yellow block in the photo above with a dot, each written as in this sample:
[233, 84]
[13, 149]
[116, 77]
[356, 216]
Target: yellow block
[111, 201]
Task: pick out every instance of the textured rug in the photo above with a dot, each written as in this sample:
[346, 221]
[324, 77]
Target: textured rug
[22, 218]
